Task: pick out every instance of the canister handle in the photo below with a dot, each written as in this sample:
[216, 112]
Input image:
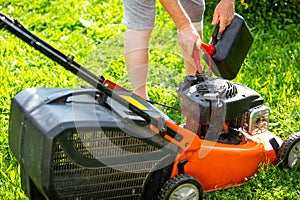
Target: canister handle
[216, 36]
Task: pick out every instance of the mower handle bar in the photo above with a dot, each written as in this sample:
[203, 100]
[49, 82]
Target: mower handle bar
[16, 28]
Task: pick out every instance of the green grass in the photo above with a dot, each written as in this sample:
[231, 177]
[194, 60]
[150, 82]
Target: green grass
[94, 33]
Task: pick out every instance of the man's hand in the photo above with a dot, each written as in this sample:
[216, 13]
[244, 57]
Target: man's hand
[187, 38]
[187, 34]
[224, 13]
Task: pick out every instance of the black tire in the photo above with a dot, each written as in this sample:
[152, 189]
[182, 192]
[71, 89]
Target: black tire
[180, 187]
[289, 152]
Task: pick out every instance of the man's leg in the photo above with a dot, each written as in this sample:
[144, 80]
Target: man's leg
[139, 17]
[137, 59]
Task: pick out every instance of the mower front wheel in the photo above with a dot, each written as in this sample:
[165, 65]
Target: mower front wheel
[289, 152]
[181, 187]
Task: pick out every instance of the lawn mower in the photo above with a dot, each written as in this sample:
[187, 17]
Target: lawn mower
[104, 142]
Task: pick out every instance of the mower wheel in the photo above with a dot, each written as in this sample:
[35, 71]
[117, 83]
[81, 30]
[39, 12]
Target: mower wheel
[289, 152]
[181, 187]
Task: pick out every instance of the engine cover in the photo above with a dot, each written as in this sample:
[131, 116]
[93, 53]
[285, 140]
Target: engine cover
[197, 93]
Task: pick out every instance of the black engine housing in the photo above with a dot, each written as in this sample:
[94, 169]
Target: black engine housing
[199, 95]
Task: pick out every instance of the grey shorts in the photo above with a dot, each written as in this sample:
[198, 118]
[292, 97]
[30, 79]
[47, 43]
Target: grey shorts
[140, 14]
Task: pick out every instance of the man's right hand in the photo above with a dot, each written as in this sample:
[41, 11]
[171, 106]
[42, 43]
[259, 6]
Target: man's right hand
[223, 14]
[188, 37]
[187, 34]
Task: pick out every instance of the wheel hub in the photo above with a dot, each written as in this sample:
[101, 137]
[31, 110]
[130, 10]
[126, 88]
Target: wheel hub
[186, 191]
[294, 157]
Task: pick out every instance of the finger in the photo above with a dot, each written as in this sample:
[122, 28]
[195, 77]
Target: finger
[198, 43]
[222, 27]
[223, 24]
[192, 45]
[215, 19]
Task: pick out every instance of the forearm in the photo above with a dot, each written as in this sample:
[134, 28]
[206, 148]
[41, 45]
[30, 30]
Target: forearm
[176, 11]
[229, 1]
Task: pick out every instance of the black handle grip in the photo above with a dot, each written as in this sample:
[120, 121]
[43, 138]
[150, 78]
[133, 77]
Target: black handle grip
[216, 36]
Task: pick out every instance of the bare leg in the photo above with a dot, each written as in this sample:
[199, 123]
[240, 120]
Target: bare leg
[137, 59]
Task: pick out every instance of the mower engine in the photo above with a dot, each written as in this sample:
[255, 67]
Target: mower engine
[222, 107]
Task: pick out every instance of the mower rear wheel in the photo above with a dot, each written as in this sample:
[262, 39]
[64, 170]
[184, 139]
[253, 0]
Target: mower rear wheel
[289, 152]
[181, 187]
